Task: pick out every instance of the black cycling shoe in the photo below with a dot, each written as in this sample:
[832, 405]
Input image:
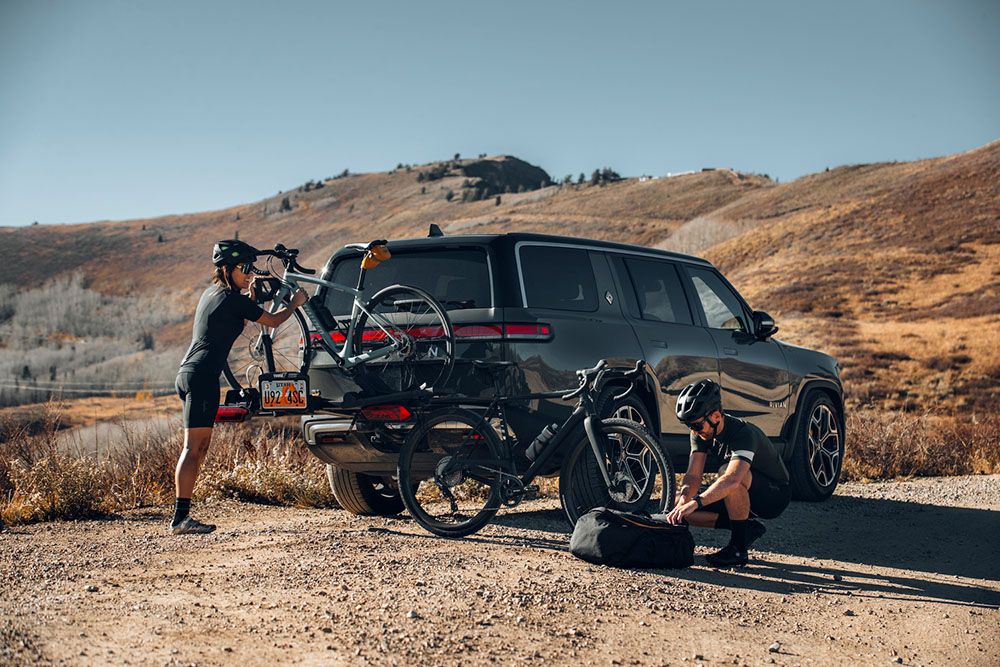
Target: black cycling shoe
[728, 556]
[755, 531]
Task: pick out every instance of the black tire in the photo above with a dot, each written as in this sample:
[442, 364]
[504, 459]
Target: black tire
[582, 487]
[428, 357]
[631, 408]
[817, 449]
[364, 495]
[452, 433]
[259, 350]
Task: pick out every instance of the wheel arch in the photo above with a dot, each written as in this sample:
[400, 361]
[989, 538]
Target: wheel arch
[809, 389]
[645, 392]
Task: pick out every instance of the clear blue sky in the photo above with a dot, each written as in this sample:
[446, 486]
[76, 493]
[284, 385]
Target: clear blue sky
[112, 110]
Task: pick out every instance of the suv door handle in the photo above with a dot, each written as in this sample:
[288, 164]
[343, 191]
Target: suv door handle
[730, 350]
[658, 343]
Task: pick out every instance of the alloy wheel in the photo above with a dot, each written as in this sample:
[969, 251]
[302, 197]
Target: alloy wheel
[824, 445]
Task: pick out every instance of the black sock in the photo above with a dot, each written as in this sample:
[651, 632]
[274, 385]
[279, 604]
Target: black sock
[181, 508]
[738, 539]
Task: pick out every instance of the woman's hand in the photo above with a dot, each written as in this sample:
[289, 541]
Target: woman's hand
[299, 298]
[677, 514]
[252, 288]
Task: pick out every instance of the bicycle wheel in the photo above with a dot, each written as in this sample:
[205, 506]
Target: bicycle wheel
[455, 467]
[642, 476]
[420, 324]
[259, 350]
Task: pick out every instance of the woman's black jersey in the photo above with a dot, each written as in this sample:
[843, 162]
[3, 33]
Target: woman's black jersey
[218, 322]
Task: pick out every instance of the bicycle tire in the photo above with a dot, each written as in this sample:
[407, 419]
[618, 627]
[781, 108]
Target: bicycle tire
[447, 433]
[582, 487]
[258, 351]
[428, 358]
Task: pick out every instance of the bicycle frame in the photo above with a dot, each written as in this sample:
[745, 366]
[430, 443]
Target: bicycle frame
[290, 282]
[584, 413]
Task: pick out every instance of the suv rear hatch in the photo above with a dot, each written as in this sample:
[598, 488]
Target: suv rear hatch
[457, 275]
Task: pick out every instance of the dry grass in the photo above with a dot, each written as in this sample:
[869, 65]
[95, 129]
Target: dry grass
[887, 445]
[43, 479]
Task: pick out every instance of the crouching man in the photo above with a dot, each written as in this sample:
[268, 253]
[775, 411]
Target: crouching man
[752, 479]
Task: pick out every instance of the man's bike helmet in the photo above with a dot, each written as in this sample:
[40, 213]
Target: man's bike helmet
[232, 252]
[697, 400]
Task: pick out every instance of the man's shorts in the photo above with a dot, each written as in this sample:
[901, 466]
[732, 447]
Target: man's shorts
[768, 499]
[200, 393]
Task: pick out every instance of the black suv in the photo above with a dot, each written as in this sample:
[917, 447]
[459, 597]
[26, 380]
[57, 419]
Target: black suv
[554, 304]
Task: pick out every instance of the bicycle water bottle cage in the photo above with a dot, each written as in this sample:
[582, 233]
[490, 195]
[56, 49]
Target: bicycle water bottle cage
[375, 256]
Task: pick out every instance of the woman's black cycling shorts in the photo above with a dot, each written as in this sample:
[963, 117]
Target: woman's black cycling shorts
[768, 499]
[200, 393]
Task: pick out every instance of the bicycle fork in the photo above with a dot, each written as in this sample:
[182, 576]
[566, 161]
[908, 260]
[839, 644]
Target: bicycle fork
[599, 445]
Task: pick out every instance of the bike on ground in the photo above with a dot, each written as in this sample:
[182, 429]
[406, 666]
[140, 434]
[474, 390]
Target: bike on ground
[459, 459]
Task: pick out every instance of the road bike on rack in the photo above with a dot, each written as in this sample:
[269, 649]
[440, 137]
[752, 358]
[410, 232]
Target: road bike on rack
[401, 334]
[460, 464]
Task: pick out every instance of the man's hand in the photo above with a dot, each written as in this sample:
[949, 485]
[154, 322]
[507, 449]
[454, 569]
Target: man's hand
[679, 513]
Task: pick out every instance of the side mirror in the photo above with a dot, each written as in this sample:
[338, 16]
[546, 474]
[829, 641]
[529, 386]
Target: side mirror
[763, 325]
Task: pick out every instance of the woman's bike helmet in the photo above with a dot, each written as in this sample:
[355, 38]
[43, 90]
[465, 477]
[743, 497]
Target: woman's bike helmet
[697, 400]
[233, 252]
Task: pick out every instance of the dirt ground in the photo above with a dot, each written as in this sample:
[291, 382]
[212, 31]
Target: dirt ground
[899, 572]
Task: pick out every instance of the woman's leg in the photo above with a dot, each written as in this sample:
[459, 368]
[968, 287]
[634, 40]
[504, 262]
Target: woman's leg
[196, 441]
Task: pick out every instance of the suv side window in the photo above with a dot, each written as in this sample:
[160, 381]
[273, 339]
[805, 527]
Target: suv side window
[721, 307]
[659, 291]
[557, 278]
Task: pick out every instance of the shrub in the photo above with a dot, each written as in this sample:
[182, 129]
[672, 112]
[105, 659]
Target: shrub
[41, 479]
[883, 446]
[450, 195]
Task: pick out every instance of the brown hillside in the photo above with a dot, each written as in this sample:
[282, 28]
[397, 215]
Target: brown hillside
[892, 267]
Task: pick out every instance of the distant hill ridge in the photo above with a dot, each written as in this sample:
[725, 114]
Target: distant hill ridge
[891, 266]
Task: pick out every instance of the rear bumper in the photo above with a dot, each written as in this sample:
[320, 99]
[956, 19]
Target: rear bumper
[334, 440]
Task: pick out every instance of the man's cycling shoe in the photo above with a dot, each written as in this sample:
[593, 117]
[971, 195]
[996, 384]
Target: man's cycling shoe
[755, 531]
[728, 556]
[190, 526]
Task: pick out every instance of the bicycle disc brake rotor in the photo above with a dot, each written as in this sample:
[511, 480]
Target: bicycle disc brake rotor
[623, 488]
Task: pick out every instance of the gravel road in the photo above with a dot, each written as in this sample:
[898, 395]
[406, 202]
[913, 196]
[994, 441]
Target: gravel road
[887, 573]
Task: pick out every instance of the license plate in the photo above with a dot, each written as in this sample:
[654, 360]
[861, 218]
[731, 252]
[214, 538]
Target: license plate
[283, 394]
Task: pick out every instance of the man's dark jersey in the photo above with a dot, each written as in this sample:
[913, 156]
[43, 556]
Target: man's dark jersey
[743, 440]
[218, 322]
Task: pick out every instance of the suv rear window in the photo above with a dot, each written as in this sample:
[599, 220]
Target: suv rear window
[457, 277]
[558, 278]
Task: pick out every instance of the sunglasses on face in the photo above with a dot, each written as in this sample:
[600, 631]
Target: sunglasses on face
[697, 425]
[247, 267]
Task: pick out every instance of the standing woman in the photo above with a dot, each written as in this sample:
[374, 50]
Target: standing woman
[218, 321]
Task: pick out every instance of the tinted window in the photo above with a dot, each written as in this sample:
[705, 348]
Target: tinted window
[559, 278]
[658, 291]
[457, 277]
[721, 307]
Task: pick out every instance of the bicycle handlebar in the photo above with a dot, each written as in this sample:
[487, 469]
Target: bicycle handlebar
[594, 377]
[288, 257]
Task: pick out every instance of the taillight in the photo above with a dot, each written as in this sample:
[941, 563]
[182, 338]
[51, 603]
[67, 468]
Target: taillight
[479, 331]
[386, 413]
[227, 413]
[535, 331]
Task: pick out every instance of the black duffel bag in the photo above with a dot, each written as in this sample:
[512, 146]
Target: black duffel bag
[621, 539]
